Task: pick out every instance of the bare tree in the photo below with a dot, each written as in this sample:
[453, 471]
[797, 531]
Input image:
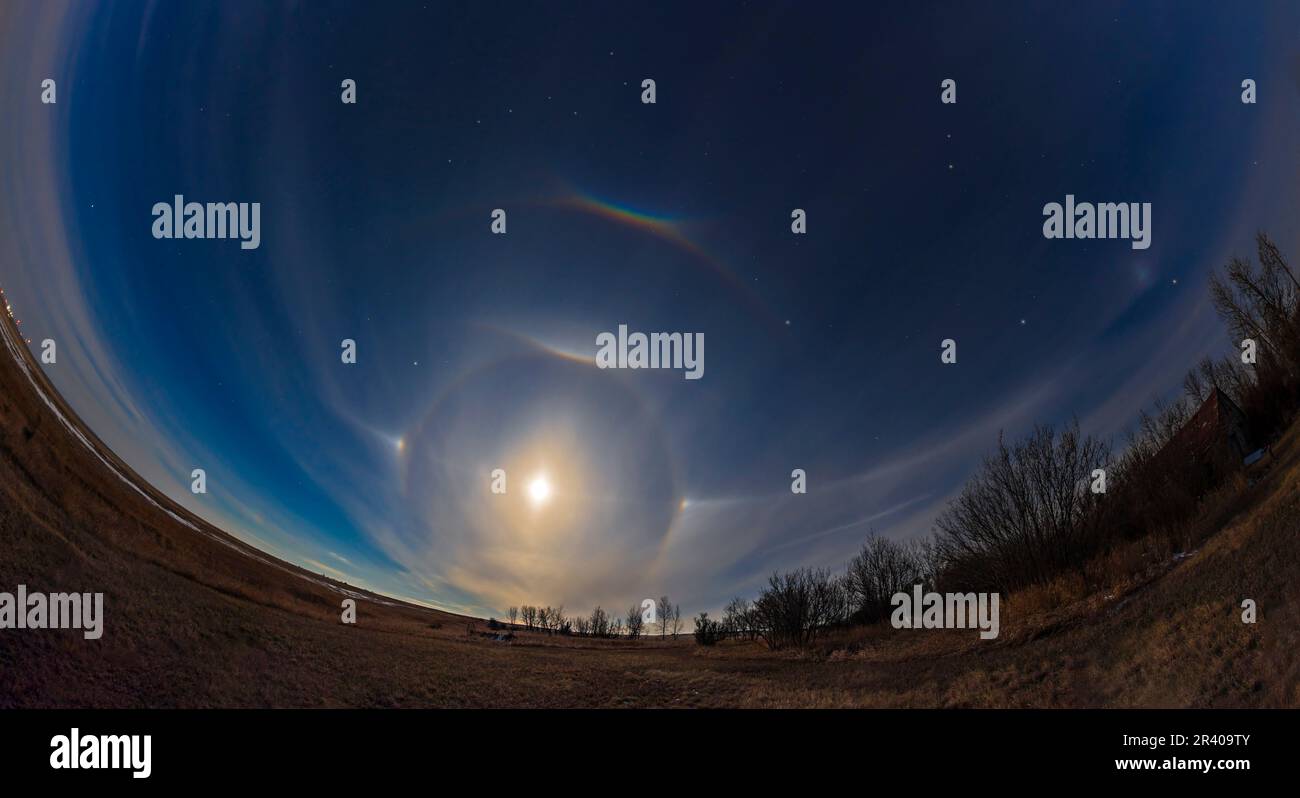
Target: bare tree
[880, 570]
[665, 610]
[1262, 303]
[634, 622]
[512, 614]
[599, 622]
[735, 618]
[552, 617]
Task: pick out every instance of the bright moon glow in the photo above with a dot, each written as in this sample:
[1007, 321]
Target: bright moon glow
[539, 490]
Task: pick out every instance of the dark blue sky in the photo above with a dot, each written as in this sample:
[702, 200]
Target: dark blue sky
[822, 350]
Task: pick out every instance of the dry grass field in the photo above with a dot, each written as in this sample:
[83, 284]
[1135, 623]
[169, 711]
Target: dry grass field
[196, 619]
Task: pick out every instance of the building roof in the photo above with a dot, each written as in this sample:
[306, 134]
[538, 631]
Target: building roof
[1208, 428]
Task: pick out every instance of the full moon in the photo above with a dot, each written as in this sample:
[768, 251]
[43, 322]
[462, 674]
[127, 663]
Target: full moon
[539, 490]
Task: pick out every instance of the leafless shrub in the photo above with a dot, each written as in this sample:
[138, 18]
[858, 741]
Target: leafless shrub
[797, 606]
[882, 568]
[707, 632]
[1027, 515]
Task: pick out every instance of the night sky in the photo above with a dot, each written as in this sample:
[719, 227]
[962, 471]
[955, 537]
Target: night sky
[475, 351]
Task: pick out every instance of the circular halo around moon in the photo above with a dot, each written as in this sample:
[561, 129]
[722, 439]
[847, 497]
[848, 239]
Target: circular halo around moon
[590, 490]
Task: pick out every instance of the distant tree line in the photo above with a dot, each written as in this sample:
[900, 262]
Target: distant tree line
[668, 621]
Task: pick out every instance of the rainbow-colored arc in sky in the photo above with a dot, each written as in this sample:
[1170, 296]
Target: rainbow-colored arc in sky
[669, 229]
